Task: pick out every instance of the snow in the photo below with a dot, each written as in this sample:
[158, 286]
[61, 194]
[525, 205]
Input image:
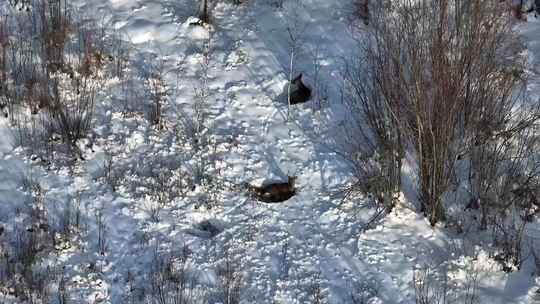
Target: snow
[281, 247]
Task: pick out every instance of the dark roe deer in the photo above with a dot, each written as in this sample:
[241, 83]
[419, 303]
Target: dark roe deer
[299, 92]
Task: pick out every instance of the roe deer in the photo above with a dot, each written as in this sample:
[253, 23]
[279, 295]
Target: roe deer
[362, 9]
[299, 92]
[274, 192]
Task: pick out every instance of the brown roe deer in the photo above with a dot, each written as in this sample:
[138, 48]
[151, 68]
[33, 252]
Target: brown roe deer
[274, 192]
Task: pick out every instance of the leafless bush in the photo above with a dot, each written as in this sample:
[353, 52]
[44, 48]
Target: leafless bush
[130, 95]
[438, 72]
[195, 125]
[172, 281]
[316, 294]
[362, 292]
[196, 131]
[230, 280]
[66, 228]
[361, 10]
[22, 72]
[121, 54]
[74, 86]
[504, 173]
[319, 87]
[164, 186]
[426, 288]
[111, 173]
[55, 27]
[28, 132]
[432, 285]
[278, 3]
[4, 44]
[284, 261]
[101, 232]
[22, 273]
[204, 12]
[56, 74]
[63, 291]
[509, 237]
[374, 139]
[158, 182]
[535, 254]
[295, 29]
[158, 94]
[71, 115]
[21, 4]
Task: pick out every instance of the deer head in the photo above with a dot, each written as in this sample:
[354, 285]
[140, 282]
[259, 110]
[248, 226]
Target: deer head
[291, 181]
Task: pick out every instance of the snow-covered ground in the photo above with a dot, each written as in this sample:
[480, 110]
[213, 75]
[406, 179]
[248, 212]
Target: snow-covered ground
[283, 250]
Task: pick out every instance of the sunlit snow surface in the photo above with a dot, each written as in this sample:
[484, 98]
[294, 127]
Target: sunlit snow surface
[248, 67]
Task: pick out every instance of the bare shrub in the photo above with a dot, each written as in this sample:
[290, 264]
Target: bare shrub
[362, 292]
[426, 289]
[230, 280]
[55, 28]
[440, 70]
[21, 4]
[295, 29]
[361, 10]
[195, 125]
[278, 4]
[121, 54]
[504, 172]
[316, 293]
[509, 237]
[159, 183]
[4, 71]
[432, 285]
[130, 95]
[157, 91]
[55, 75]
[71, 109]
[28, 132]
[204, 12]
[102, 241]
[284, 261]
[63, 290]
[535, 254]
[23, 274]
[164, 187]
[111, 173]
[196, 131]
[373, 139]
[171, 279]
